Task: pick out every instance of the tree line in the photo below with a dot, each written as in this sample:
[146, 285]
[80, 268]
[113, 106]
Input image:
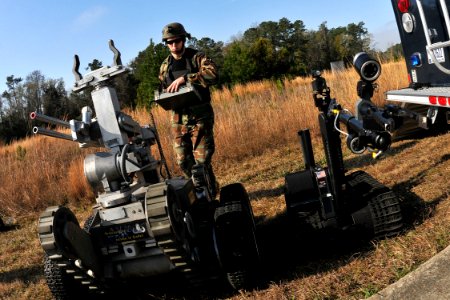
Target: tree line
[270, 50]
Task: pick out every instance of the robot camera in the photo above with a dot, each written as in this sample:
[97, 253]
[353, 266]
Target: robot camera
[368, 68]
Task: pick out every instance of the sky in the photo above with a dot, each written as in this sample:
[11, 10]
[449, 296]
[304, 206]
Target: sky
[44, 35]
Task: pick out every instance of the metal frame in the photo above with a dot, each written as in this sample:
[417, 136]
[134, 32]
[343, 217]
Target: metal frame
[432, 46]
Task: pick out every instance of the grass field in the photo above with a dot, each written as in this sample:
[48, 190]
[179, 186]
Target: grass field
[257, 145]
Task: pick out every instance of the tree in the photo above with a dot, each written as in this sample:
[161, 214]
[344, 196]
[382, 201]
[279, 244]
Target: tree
[288, 41]
[55, 102]
[14, 121]
[341, 43]
[94, 65]
[126, 86]
[271, 49]
[145, 68]
[354, 39]
[14, 94]
[320, 48]
[262, 56]
[76, 101]
[33, 91]
[237, 65]
[395, 52]
[296, 45]
[212, 49]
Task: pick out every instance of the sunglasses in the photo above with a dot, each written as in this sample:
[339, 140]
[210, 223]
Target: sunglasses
[176, 41]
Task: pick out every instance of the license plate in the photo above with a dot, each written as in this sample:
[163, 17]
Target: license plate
[439, 54]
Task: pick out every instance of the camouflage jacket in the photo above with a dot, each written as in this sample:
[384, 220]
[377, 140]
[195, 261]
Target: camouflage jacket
[203, 71]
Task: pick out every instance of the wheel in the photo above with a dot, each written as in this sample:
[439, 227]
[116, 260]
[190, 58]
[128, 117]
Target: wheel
[376, 208]
[235, 243]
[62, 284]
[301, 195]
[386, 215]
[361, 187]
[236, 192]
[441, 124]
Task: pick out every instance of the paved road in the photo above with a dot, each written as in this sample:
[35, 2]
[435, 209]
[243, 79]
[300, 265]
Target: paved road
[431, 281]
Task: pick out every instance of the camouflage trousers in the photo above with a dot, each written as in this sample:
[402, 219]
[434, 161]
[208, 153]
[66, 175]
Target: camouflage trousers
[193, 141]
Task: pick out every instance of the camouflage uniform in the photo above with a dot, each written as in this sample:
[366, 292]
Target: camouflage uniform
[192, 126]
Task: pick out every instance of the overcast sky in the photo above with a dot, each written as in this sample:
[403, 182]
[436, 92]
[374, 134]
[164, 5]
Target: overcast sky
[44, 35]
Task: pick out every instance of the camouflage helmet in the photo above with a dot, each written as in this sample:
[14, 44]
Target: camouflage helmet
[174, 30]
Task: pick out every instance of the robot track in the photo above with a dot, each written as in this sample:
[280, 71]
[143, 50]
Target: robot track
[160, 212]
[66, 277]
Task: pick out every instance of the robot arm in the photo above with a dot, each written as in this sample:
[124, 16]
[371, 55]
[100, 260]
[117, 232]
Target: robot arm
[127, 143]
[372, 126]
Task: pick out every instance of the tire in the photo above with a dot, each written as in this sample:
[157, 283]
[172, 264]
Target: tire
[376, 208]
[236, 192]
[386, 215]
[361, 188]
[441, 124]
[235, 244]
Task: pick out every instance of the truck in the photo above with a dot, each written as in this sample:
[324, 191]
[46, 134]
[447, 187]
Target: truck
[424, 27]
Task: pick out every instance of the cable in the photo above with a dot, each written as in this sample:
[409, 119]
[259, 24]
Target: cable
[123, 159]
[335, 123]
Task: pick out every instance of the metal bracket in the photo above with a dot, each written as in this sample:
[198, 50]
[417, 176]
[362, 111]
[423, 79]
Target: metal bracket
[99, 76]
[75, 69]
[430, 47]
[117, 60]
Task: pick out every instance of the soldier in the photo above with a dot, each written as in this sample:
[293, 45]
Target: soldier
[192, 126]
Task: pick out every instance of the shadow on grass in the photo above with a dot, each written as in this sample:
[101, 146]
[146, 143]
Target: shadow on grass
[365, 160]
[414, 209]
[267, 193]
[7, 227]
[290, 253]
[169, 286]
[26, 275]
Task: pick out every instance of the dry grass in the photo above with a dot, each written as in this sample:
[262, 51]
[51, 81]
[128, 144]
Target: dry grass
[252, 118]
[304, 267]
[34, 174]
[255, 131]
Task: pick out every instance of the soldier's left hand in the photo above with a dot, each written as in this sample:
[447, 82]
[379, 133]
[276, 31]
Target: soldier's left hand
[175, 86]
